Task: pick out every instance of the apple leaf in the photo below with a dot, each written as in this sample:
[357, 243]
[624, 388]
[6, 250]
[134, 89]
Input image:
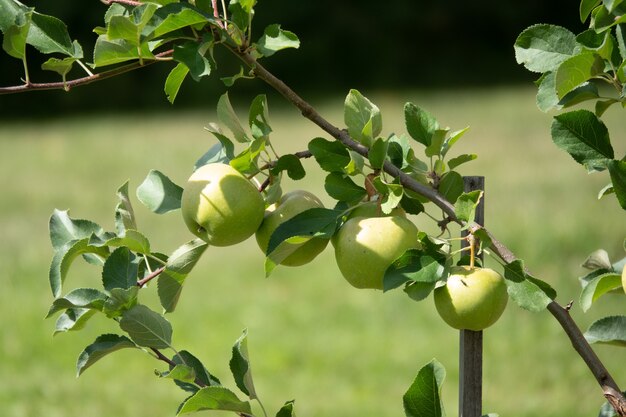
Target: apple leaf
[342, 188]
[73, 319]
[258, 117]
[179, 373]
[423, 398]
[465, 205]
[542, 48]
[178, 267]
[608, 330]
[147, 328]
[275, 39]
[617, 169]
[529, 293]
[63, 258]
[120, 270]
[14, 40]
[172, 17]
[131, 239]
[362, 118]
[227, 116]
[159, 193]
[597, 287]
[89, 298]
[120, 300]
[287, 410]
[291, 164]
[598, 259]
[315, 222]
[420, 124]
[331, 156]
[192, 54]
[124, 213]
[413, 266]
[114, 51]
[461, 159]
[240, 366]
[202, 374]
[174, 80]
[581, 134]
[576, 70]
[451, 186]
[586, 7]
[102, 346]
[64, 229]
[214, 398]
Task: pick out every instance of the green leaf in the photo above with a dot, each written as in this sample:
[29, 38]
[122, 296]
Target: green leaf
[89, 298]
[620, 33]
[192, 54]
[120, 269]
[147, 328]
[332, 156]
[617, 169]
[598, 259]
[14, 40]
[258, 117]
[581, 134]
[102, 346]
[291, 164]
[230, 81]
[64, 257]
[124, 213]
[214, 398]
[222, 152]
[120, 300]
[465, 205]
[601, 44]
[597, 287]
[64, 229]
[461, 159]
[586, 6]
[159, 193]
[202, 374]
[608, 330]
[452, 140]
[527, 292]
[174, 16]
[377, 154]
[437, 140]
[451, 186]
[576, 70]
[542, 48]
[179, 265]
[227, 116]
[60, 66]
[73, 319]
[412, 266]
[240, 366]
[174, 80]
[315, 222]
[246, 161]
[180, 372]
[114, 51]
[362, 118]
[420, 124]
[423, 398]
[275, 39]
[131, 239]
[342, 188]
[287, 410]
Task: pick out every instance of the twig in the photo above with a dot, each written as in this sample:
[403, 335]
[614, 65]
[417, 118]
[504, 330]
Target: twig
[67, 85]
[127, 2]
[150, 277]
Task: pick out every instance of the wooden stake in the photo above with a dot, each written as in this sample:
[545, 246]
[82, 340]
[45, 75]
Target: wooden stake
[471, 342]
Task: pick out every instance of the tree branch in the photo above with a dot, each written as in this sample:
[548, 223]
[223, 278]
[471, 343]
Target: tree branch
[67, 85]
[610, 388]
[150, 277]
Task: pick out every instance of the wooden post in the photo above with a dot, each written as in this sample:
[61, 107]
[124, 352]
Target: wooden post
[471, 342]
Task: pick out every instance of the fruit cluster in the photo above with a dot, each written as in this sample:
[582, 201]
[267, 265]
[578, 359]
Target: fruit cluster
[223, 208]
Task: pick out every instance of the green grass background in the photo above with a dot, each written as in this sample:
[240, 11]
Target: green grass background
[336, 350]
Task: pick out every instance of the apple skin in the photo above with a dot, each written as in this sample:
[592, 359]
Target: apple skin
[366, 246]
[472, 298]
[289, 205]
[220, 206]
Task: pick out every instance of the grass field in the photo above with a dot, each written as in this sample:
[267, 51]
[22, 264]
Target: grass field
[336, 350]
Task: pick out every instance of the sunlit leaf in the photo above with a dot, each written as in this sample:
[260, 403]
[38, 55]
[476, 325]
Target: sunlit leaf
[102, 346]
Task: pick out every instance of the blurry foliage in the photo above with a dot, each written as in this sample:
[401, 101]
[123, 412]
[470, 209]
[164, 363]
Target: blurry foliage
[420, 44]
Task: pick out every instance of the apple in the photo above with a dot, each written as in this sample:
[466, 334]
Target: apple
[221, 206]
[472, 298]
[366, 246]
[289, 205]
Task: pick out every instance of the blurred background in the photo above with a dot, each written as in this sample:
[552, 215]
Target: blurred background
[312, 337]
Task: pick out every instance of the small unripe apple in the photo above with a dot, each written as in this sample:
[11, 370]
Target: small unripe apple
[289, 205]
[221, 206]
[366, 246]
[472, 298]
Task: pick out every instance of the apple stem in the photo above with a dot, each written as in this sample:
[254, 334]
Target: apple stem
[471, 241]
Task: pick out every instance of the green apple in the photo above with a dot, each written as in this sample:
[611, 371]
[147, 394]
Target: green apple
[221, 206]
[366, 246]
[472, 298]
[289, 205]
